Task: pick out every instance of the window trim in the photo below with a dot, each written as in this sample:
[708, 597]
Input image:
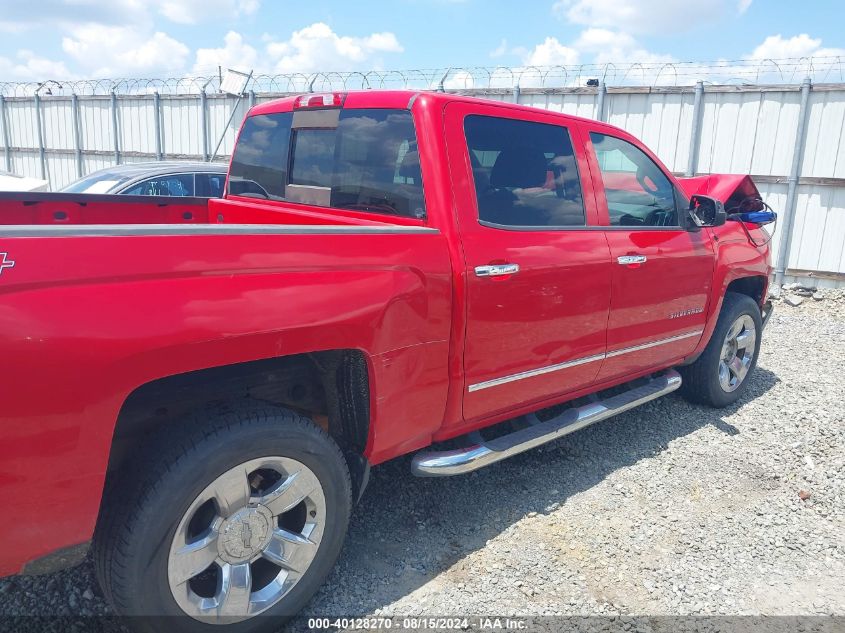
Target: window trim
[529, 228]
[588, 227]
[590, 131]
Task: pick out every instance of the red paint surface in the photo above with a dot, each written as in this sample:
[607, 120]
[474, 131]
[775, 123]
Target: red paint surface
[84, 321]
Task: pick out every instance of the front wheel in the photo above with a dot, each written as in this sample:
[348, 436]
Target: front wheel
[240, 516]
[721, 374]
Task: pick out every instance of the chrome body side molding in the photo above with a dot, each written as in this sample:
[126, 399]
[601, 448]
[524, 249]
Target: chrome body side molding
[663, 341]
[579, 361]
[534, 372]
[106, 230]
[483, 452]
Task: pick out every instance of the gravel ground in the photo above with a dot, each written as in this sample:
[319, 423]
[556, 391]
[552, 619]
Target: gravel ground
[670, 509]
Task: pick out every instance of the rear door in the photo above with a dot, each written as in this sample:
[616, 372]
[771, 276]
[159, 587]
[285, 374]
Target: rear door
[662, 273]
[537, 279]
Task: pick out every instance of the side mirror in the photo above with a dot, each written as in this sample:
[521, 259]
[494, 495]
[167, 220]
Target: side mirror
[706, 211]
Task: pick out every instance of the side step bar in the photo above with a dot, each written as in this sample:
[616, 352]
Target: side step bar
[484, 453]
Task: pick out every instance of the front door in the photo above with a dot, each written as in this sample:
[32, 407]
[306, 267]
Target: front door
[537, 279]
[662, 273]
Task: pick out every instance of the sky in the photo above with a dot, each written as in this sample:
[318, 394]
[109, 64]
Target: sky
[73, 39]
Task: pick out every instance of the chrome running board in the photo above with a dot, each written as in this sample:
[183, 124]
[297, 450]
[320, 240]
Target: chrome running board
[486, 452]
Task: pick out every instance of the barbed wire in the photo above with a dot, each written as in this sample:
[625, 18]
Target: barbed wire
[744, 71]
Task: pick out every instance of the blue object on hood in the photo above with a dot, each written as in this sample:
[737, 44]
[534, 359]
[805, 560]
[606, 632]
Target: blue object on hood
[755, 217]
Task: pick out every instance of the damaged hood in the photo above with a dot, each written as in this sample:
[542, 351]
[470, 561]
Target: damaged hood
[729, 189]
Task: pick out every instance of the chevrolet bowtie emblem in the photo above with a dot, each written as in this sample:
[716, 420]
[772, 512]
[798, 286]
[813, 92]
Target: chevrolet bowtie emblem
[246, 533]
[5, 262]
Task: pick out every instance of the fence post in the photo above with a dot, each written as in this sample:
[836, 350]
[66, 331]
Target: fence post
[77, 133]
[695, 133]
[40, 131]
[516, 92]
[157, 126]
[792, 188]
[204, 118]
[4, 119]
[252, 98]
[600, 94]
[115, 128]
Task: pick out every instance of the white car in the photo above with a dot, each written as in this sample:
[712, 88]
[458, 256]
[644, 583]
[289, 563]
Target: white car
[13, 182]
[167, 178]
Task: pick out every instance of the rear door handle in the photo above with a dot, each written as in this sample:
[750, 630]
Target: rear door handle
[627, 260]
[495, 270]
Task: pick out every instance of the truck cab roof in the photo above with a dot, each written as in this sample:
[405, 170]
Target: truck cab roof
[404, 99]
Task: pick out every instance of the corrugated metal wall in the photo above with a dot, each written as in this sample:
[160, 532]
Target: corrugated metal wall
[742, 129]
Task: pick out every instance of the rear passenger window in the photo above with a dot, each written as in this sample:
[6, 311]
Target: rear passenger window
[364, 160]
[525, 173]
[638, 192]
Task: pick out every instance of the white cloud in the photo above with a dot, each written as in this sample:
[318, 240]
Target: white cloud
[597, 40]
[642, 16]
[235, 53]
[503, 49]
[193, 11]
[459, 80]
[500, 50]
[618, 49]
[743, 5]
[38, 13]
[611, 47]
[551, 53]
[318, 47]
[778, 47]
[66, 13]
[27, 66]
[115, 51]
[100, 50]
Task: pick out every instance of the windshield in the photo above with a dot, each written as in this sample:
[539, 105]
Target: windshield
[95, 183]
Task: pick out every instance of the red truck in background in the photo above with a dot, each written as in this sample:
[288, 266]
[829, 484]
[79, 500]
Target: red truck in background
[196, 389]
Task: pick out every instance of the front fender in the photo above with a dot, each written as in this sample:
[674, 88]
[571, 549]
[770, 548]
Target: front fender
[736, 258]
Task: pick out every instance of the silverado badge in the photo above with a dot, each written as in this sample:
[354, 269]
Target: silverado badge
[687, 312]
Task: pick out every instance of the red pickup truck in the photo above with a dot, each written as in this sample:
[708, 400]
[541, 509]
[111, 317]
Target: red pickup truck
[196, 389]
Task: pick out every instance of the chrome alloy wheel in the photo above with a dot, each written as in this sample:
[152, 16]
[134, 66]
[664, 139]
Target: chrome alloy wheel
[737, 353]
[246, 540]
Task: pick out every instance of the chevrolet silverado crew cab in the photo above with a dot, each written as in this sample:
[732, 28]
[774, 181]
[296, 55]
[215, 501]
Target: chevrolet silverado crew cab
[194, 390]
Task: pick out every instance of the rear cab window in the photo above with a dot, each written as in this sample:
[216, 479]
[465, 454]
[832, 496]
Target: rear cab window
[353, 159]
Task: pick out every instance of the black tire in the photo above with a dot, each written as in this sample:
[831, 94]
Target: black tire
[145, 504]
[701, 379]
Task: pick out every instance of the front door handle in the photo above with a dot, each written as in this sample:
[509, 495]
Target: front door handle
[627, 260]
[496, 270]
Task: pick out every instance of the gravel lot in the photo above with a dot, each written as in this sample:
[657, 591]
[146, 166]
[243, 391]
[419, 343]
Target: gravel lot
[669, 509]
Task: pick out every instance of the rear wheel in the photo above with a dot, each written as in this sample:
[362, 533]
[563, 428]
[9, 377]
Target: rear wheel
[242, 516]
[721, 374]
